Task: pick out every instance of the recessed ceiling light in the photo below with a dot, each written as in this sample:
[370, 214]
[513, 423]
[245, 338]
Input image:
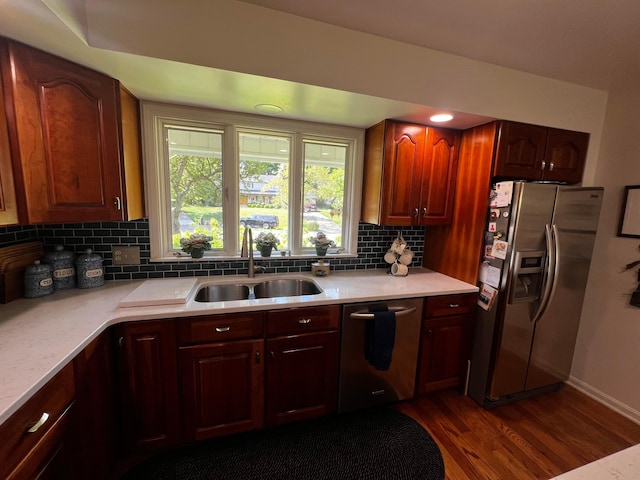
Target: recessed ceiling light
[441, 117]
[269, 109]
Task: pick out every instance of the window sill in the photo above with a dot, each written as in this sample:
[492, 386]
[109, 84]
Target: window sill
[257, 258]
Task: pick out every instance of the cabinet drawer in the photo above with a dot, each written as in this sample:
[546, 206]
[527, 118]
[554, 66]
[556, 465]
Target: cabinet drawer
[450, 304]
[52, 399]
[220, 328]
[301, 320]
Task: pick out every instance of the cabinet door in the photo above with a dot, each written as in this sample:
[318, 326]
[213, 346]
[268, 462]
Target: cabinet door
[149, 391]
[439, 176]
[302, 377]
[222, 388]
[445, 349]
[520, 151]
[8, 205]
[402, 174]
[65, 141]
[565, 155]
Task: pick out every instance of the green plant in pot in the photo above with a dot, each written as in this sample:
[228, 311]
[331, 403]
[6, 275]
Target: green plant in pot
[265, 242]
[196, 244]
[322, 243]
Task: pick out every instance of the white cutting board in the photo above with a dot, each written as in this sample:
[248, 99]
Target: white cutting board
[161, 291]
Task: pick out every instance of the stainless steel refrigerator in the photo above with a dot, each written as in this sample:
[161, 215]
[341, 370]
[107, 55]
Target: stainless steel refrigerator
[538, 247]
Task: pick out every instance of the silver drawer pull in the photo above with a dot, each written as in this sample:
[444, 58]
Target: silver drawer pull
[39, 423]
[454, 305]
[400, 311]
[222, 329]
[377, 393]
[304, 321]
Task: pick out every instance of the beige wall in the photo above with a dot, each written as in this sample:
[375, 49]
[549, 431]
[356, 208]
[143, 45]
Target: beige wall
[607, 358]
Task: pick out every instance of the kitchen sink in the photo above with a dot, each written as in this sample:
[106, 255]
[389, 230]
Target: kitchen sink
[283, 287]
[222, 293]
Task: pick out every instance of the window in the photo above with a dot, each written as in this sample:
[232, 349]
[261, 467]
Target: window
[217, 173]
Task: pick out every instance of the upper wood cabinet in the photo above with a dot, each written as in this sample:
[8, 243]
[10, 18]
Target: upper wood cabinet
[74, 140]
[409, 174]
[8, 205]
[532, 152]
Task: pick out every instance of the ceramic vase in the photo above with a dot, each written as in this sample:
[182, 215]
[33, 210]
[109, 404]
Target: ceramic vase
[197, 252]
[265, 251]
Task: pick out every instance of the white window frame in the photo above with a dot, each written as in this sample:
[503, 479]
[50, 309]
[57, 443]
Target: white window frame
[156, 116]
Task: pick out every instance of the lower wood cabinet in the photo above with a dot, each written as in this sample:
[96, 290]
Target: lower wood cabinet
[222, 388]
[147, 369]
[302, 376]
[446, 340]
[35, 439]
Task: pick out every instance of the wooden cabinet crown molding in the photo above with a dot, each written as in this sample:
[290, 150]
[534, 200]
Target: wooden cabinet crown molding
[74, 139]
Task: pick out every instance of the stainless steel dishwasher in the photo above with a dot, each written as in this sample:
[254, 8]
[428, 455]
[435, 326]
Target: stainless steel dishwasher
[361, 385]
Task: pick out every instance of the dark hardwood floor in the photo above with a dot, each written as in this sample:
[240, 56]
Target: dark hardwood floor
[536, 438]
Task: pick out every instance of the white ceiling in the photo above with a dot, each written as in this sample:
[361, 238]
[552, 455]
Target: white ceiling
[594, 43]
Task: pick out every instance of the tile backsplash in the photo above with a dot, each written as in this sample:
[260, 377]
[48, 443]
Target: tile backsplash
[373, 242]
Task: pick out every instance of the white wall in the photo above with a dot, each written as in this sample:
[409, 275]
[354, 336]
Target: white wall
[607, 359]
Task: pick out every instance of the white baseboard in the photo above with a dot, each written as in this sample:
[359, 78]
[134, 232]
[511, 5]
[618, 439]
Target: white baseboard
[603, 398]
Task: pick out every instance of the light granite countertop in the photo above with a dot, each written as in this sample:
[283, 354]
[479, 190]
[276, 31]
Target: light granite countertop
[40, 336]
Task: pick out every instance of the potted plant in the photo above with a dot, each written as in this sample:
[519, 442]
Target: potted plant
[196, 244]
[265, 242]
[322, 243]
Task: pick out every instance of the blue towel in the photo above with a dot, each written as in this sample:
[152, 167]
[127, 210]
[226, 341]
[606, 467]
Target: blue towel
[380, 336]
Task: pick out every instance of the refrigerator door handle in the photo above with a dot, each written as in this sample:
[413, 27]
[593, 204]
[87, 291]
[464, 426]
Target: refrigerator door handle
[551, 270]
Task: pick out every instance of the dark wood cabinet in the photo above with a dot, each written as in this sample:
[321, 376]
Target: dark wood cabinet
[74, 139]
[95, 432]
[147, 367]
[532, 152]
[8, 204]
[302, 377]
[409, 174]
[35, 438]
[446, 340]
[221, 366]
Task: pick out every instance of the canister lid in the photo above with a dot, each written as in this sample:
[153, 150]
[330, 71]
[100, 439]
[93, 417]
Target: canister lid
[60, 254]
[88, 256]
[37, 268]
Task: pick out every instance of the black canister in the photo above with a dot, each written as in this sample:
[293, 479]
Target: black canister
[63, 266]
[89, 270]
[38, 280]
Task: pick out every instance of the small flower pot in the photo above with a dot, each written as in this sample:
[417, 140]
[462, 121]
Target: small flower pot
[197, 252]
[321, 251]
[266, 250]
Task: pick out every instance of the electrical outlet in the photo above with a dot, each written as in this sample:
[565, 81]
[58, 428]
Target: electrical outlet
[126, 255]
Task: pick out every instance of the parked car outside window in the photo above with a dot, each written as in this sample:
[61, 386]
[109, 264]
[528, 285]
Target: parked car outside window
[264, 221]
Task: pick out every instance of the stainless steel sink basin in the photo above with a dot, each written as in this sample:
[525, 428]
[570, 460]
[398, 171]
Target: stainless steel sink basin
[285, 287]
[222, 293]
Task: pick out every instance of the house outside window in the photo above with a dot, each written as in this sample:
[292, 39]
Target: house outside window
[217, 173]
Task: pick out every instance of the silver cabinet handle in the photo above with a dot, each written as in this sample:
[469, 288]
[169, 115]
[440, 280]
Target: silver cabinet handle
[424, 212]
[222, 329]
[257, 357]
[400, 311]
[118, 203]
[454, 305]
[542, 165]
[39, 423]
[416, 213]
[304, 321]
[551, 165]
